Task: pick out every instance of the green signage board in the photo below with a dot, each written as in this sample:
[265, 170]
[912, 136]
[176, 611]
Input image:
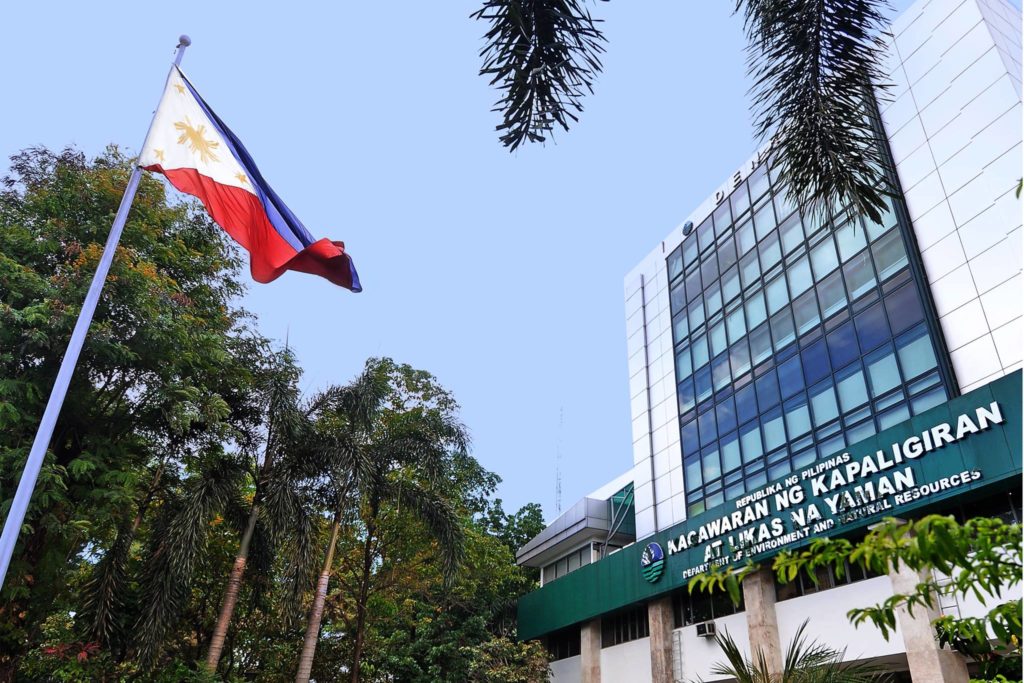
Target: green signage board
[963, 447]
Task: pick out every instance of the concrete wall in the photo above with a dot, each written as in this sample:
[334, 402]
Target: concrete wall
[566, 670]
[626, 662]
[693, 657]
[826, 612]
[954, 124]
[1003, 22]
[657, 459]
[970, 606]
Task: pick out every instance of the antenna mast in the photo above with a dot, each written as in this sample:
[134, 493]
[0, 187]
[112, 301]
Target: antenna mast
[558, 465]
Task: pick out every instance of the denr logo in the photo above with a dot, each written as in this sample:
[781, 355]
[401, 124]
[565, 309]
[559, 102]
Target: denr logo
[652, 562]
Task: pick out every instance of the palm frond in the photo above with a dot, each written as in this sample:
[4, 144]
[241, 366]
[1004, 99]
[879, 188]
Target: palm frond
[104, 595]
[179, 541]
[162, 591]
[303, 552]
[288, 520]
[805, 661]
[543, 55]
[814, 64]
[441, 520]
[426, 441]
[259, 569]
[737, 665]
[279, 387]
[279, 500]
[208, 492]
[362, 400]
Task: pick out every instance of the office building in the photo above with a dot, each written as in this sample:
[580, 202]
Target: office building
[792, 378]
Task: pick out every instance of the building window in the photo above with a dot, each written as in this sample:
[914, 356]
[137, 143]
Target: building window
[625, 625]
[693, 608]
[826, 339]
[1004, 504]
[564, 643]
[569, 563]
[825, 579]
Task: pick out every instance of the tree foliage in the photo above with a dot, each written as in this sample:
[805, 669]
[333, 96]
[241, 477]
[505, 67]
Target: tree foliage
[814, 64]
[400, 602]
[166, 443]
[543, 56]
[160, 386]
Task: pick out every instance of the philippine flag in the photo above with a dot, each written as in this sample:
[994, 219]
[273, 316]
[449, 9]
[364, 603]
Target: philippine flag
[200, 156]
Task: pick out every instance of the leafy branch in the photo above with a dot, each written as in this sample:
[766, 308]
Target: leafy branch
[980, 558]
[815, 66]
[543, 55]
[814, 63]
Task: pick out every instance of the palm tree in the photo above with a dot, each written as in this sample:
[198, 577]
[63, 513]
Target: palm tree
[108, 604]
[343, 423]
[285, 429]
[391, 443]
[813, 63]
[220, 484]
[806, 662]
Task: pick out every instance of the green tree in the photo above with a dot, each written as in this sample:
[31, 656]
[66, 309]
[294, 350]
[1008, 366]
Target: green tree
[517, 529]
[503, 660]
[981, 558]
[178, 547]
[243, 497]
[162, 379]
[813, 63]
[397, 444]
[285, 429]
[426, 628]
[428, 631]
[181, 428]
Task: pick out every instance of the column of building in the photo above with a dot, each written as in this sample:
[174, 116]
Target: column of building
[590, 651]
[661, 623]
[927, 660]
[762, 625]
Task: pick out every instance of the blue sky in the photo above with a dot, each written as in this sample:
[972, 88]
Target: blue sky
[500, 273]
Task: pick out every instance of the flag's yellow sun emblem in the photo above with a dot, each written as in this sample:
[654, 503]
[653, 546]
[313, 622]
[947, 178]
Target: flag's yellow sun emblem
[195, 138]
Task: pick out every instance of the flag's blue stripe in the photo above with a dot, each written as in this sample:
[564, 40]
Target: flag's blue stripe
[356, 287]
[281, 217]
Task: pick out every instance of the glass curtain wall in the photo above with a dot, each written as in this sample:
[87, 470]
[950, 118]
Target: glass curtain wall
[793, 338]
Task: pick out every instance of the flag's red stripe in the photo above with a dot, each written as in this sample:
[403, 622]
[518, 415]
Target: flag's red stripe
[242, 216]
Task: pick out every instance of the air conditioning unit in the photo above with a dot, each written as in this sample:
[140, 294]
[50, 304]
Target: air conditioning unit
[706, 629]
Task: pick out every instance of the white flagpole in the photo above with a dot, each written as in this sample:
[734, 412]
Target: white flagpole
[16, 516]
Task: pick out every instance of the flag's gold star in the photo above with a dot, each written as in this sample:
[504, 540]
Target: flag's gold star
[242, 178]
[159, 154]
[180, 88]
[195, 138]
